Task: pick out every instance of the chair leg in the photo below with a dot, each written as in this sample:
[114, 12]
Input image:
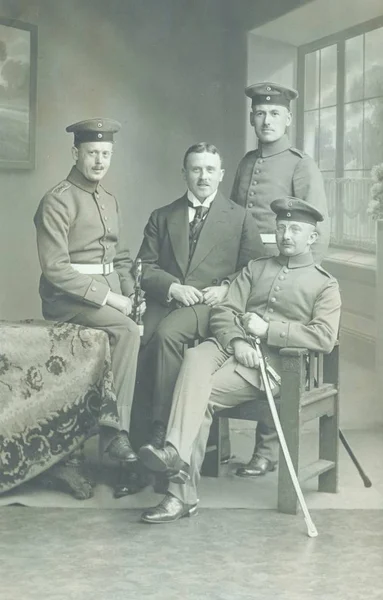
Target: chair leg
[328, 450]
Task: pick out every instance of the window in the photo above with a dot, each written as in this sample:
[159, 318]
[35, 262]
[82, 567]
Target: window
[340, 122]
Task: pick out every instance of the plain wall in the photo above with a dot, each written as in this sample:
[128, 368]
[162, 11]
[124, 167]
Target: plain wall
[171, 72]
[269, 60]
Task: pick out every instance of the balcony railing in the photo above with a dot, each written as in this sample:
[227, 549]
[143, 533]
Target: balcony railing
[351, 225]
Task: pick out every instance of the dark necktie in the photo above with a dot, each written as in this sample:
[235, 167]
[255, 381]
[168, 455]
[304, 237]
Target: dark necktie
[196, 226]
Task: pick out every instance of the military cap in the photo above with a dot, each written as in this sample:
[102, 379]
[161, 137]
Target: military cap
[94, 130]
[295, 209]
[271, 93]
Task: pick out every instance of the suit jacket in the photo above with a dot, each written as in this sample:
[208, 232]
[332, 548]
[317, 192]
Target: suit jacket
[274, 171]
[78, 221]
[228, 240]
[300, 301]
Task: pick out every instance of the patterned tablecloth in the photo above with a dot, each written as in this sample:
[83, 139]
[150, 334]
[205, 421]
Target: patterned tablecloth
[56, 389]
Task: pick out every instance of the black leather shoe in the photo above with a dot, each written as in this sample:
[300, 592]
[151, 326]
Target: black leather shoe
[168, 510]
[120, 449]
[166, 460]
[130, 482]
[158, 435]
[256, 467]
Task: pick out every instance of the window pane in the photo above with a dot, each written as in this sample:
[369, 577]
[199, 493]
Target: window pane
[328, 76]
[373, 132]
[374, 63]
[328, 175]
[355, 174]
[327, 138]
[312, 80]
[353, 135]
[354, 69]
[311, 133]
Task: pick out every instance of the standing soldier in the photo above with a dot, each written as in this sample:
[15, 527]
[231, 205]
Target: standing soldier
[86, 268]
[275, 169]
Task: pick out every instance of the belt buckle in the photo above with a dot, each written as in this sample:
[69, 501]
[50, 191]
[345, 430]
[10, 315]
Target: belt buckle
[105, 269]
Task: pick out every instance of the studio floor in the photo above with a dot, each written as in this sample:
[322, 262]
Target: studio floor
[53, 547]
[238, 547]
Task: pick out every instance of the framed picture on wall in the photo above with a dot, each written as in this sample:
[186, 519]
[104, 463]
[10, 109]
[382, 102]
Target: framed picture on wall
[18, 62]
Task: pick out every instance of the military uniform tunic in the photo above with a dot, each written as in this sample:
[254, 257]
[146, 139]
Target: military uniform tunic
[274, 171]
[78, 222]
[300, 301]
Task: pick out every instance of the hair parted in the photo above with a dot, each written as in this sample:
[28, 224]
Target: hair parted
[199, 148]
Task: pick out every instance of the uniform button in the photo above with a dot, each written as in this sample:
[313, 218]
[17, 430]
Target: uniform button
[109, 229]
[105, 218]
[282, 334]
[251, 193]
[285, 270]
[273, 299]
[281, 277]
[271, 310]
[107, 246]
[96, 195]
[260, 160]
[93, 288]
[102, 206]
[267, 319]
[255, 182]
[257, 171]
[277, 288]
[251, 204]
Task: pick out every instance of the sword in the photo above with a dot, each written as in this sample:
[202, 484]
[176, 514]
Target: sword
[311, 529]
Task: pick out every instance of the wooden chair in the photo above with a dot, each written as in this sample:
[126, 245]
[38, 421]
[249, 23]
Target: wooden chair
[309, 390]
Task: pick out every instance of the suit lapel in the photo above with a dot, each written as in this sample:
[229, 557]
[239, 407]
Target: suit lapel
[216, 227]
[178, 228]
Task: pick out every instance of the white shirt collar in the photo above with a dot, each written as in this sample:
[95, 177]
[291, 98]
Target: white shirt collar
[191, 197]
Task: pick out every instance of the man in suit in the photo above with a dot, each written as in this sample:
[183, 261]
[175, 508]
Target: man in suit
[191, 250]
[86, 266]
[273, 170]
[286, 300]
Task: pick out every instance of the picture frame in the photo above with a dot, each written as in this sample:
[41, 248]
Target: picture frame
[18, 79]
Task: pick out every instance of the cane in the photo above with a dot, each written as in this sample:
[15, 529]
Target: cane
[311, 529]
[366, 480]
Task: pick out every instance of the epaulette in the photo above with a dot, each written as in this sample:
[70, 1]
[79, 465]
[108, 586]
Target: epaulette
[61, 187]
[296, 151]
[262, 258]
[250, 153]
[106, 191]
[322, 270]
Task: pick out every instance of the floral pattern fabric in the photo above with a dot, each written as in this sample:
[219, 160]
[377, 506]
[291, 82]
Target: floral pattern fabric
[56, 390]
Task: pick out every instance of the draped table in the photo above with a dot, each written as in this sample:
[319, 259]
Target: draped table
[56, 390]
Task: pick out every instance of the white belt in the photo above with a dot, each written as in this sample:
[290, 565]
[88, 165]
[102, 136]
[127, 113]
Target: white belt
[268, 238]
[100, 269]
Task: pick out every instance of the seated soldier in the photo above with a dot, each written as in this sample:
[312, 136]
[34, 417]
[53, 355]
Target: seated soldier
[86, 265]
[285, 300]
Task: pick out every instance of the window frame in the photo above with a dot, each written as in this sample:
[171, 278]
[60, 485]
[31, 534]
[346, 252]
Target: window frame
[339, 39]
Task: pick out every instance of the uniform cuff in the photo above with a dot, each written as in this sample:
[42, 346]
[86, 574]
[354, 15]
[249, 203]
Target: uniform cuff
[226, 338]
[96, 293]
[278, 334]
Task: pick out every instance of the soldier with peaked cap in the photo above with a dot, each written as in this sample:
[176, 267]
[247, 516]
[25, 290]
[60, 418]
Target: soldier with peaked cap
[86, 267]
[273, 170]
[286, 300]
